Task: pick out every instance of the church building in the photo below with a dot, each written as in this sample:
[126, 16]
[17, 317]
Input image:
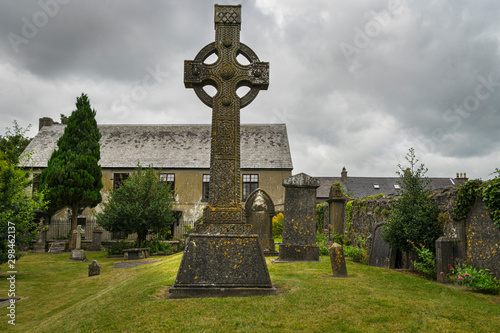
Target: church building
[182, 154]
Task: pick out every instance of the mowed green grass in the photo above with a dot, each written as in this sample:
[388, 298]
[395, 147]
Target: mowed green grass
[58, 296]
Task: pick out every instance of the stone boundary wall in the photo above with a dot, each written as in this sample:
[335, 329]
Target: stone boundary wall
[476, 238]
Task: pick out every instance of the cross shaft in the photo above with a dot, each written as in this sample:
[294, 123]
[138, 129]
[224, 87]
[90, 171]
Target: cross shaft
[226, 75]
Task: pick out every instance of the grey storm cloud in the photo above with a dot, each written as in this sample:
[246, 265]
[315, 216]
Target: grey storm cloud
[357, 83]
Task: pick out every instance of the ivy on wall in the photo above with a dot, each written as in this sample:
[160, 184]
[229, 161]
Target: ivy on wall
[488, 191]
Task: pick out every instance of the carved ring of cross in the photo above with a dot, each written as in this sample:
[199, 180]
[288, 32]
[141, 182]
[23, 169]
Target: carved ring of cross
[257, 68]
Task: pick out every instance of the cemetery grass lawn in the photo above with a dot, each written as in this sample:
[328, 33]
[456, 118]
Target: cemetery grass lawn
[58, 296]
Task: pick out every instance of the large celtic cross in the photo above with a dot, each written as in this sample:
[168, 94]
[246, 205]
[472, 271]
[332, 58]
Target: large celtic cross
[226, 75]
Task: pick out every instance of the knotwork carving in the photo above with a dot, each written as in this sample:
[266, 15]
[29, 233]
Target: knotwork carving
[226, 75]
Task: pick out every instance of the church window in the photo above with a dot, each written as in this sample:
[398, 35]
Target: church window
[169, 179]
[205, 188]
[250, 184]
[118, 179]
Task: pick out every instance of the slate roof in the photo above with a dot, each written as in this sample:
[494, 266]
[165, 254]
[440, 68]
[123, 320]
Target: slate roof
[172, 146]
[360, 187]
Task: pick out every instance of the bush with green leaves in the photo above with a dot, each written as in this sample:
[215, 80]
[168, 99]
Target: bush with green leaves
[477, 278]
[491, 197]
[414, 214]
[356, 253]
[425, 262]
[466, 196]
[142, 205]
[156, 245]
[13, 142]
[278, 225]
[17, 210]
[320, 215]
[323, 243]
[116, 248]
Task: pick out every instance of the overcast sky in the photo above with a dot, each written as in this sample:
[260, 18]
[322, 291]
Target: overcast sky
[356, 82]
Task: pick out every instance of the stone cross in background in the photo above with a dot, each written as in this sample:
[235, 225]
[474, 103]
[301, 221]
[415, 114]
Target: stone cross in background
[223, 257]
[78, 254]
[79, 232]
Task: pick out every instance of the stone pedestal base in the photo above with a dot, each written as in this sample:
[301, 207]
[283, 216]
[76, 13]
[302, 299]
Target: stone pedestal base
[298, 253]
[78, 255]
[193, 292]
[222, 261]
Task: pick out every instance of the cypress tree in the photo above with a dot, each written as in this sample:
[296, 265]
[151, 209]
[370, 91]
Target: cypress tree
[73, 177]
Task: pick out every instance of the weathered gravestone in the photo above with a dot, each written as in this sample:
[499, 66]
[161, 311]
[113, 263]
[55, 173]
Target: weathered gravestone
[336, 209]
[94, 268]
[78, 254]
[259, 210]
[96, 239]
[338, 260]
[57, 247]
[222, 257]
[299, 226]
[381, 253]
[444, 257]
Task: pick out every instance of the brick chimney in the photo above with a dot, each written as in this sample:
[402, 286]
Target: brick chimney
[344, 175]
[45, 121]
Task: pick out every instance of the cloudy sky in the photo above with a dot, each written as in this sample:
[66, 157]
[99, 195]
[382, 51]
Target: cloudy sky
[356, 82]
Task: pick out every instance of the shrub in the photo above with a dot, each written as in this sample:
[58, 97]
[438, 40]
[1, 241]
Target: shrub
[357, 254]
[117, 248]
[491, 197]
[477, 278]
[425, 262]
[414, 214]
[323, 243]
[157, 245]
[320, 215]
[466, 195]
[278, 225]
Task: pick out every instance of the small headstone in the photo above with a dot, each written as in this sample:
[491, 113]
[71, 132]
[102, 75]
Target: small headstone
[94, 268]
[299, 226]
[57, 247]
[381, 253]
[78, 254]
[338, 260]
[336, 208]
[259, 210]
[444, 257]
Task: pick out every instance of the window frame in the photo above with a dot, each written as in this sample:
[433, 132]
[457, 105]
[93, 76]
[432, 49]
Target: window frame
[169, 179]
[205, 187]
[249, 183]
[119, 178]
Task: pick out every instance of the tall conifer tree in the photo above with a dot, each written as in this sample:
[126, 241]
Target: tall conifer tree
[73, 177]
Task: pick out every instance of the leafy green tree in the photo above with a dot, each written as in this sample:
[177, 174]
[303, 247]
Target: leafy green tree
[73, 177]
[142, 204]
[17, 210]
[64, 120]
[414, 213]
[13, 143]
